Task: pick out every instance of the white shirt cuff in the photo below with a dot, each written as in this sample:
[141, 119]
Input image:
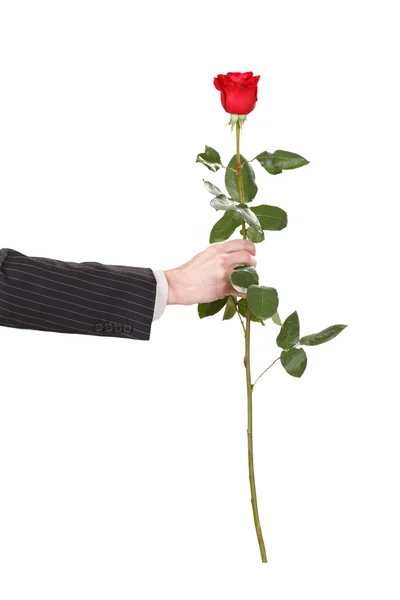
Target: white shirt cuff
[161, 293]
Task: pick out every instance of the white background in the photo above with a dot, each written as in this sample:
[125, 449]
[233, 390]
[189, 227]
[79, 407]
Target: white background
[123, 464]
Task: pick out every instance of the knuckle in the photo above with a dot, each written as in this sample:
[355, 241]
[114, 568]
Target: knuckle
[250, 245]
[252, 259]
[221, 273]
[222, 260]
[248, 258]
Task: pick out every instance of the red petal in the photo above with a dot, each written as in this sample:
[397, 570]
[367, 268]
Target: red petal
[252, 82]
[217, 84]
[234, 77]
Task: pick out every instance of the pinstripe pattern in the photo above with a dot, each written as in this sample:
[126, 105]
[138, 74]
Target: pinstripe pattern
[68, 297]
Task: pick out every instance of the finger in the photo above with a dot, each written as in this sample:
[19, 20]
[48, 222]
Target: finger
[234, 245]
[241, 257]
[234, 292]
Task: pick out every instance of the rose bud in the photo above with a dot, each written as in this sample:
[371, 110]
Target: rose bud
[238, 92]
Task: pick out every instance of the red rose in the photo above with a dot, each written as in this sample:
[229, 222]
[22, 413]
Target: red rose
[238, 92]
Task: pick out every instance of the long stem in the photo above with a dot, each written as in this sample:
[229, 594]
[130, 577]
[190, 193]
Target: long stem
[248, 376]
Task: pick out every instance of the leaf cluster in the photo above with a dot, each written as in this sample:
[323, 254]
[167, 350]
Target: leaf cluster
[262, 301]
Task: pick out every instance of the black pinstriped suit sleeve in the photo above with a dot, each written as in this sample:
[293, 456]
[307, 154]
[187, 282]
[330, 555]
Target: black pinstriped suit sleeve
[68, 297]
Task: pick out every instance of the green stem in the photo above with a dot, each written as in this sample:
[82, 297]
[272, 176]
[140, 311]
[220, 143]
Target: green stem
[271, 365]
[239, 176]
[247, 161]
[248, 376]
[239, 315]
[265, 370]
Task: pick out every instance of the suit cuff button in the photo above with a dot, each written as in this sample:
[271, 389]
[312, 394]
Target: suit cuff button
[127, 328]
[99, 327]
[108, 327]
[118, 327]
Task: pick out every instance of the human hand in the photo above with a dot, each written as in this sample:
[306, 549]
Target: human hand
[205, 277]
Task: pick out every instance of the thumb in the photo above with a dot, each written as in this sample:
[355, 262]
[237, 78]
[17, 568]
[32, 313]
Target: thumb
[236, 293]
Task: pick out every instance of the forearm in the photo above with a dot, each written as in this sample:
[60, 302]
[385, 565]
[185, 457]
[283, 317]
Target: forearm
[69, 297]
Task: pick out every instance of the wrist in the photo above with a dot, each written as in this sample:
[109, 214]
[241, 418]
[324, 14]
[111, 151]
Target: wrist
[173, 287]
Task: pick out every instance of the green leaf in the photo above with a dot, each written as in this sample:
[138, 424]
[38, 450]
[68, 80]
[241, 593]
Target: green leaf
[323, 336]
[249, 217]
[230, 309]
[262, 301]
[210, 158]
[221, 202]
[290, 332]
[242, 277]
[210, 187]
[276, 319]
[223, 229]
[242, 305]
[254, 235]
[248, 177]
[280, 159]
[207, 309]
[271, 218]
[294, 361]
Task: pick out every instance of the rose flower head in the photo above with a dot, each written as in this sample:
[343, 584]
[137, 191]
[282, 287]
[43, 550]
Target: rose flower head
[238, 91]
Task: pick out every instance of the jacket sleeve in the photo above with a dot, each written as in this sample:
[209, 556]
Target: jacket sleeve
[68, 297]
